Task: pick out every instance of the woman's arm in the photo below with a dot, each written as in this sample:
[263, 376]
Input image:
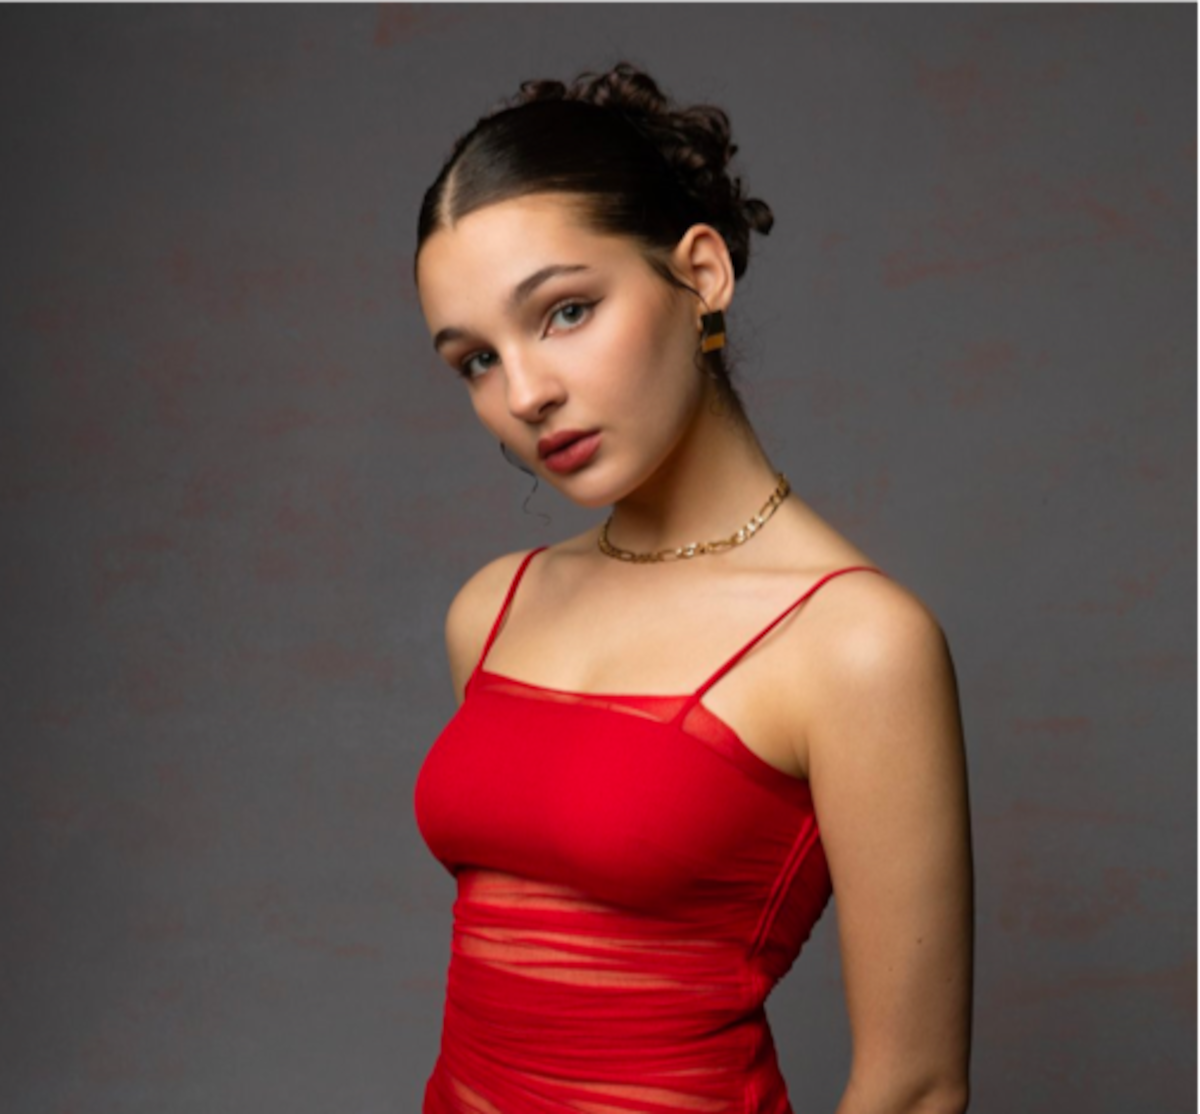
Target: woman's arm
[887, 767]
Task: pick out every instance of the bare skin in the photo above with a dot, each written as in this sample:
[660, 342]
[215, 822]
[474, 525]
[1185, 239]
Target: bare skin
[854, 690]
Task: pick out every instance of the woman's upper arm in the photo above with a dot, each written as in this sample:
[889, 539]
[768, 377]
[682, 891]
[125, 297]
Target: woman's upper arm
[887, 768]
[471, 613]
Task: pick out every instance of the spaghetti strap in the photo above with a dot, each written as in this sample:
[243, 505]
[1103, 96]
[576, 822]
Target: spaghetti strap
[695, 697]
[512, 589]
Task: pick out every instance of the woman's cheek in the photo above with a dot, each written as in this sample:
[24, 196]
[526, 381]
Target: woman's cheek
[485, 410]
[631, 354]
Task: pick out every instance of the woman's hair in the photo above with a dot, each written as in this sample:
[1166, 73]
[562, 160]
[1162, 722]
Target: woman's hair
[642, 168]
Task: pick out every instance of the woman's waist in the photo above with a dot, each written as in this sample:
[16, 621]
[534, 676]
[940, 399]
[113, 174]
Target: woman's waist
[594, 1006]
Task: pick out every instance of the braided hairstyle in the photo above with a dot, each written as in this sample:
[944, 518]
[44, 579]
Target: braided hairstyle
[643, 168]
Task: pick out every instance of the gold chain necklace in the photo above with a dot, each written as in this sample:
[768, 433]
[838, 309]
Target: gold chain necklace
[696, 549]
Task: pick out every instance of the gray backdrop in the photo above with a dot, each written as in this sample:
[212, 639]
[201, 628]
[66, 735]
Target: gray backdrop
[238, 492]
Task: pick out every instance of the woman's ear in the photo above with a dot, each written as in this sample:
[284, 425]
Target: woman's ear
[702, 260]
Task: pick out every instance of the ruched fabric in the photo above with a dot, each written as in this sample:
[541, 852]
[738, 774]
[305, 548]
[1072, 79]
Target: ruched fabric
[632, 882]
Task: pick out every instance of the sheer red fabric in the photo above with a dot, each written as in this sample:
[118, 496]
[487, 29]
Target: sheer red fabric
[632, 880]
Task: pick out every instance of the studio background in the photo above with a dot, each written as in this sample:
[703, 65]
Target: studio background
[238, 491]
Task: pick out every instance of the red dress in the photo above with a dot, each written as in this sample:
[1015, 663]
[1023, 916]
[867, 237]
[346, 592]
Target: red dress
[632, 882]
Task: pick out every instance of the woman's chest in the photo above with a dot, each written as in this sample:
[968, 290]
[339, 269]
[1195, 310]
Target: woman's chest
[632, 809]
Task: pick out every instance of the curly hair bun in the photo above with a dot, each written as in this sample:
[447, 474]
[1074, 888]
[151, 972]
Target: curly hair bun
[694, 141]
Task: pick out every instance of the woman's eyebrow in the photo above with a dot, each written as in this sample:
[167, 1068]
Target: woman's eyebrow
[527, 286]
[520, 293]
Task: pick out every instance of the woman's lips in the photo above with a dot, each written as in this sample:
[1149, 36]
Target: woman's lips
[552, 442]
[574, 455]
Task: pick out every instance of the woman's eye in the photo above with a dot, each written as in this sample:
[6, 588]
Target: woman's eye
[573, 305]
[570, 313]
[464, 368]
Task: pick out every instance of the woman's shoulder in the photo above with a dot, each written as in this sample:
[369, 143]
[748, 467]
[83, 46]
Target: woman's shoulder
[867, 634]
[480, 596]
[478, 599]
[474, 608]
[852, 605]
[863, 612]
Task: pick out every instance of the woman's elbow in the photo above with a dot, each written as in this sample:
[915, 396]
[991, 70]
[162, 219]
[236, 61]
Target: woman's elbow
[878, 1096]
[945, 1099]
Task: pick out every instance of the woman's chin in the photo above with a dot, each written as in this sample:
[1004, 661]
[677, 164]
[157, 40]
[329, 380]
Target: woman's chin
[588, 502]
[580, 487]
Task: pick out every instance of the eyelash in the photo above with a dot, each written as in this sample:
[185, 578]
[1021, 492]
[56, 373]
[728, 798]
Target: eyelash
[464, 364]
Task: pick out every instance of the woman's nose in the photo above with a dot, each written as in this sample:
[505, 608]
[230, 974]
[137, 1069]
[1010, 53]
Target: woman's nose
[532, 387]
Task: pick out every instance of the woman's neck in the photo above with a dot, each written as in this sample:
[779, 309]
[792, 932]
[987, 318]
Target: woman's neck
[716, 479]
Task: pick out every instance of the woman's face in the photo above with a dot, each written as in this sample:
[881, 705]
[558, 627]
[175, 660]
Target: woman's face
[605, 346]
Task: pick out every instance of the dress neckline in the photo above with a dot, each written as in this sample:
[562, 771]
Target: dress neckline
[731, 745]
[735, 748]
[692, 698]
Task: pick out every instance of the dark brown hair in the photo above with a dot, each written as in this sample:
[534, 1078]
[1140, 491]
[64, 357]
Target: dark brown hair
[644, 169]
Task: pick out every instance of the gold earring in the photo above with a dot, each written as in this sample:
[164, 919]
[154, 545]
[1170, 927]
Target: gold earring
[712, 331]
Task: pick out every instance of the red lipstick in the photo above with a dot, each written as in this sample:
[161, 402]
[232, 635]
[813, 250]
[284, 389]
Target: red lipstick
[574, 453]
[552, 442]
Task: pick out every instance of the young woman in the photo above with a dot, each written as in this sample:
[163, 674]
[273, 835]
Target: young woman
[696, 722]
